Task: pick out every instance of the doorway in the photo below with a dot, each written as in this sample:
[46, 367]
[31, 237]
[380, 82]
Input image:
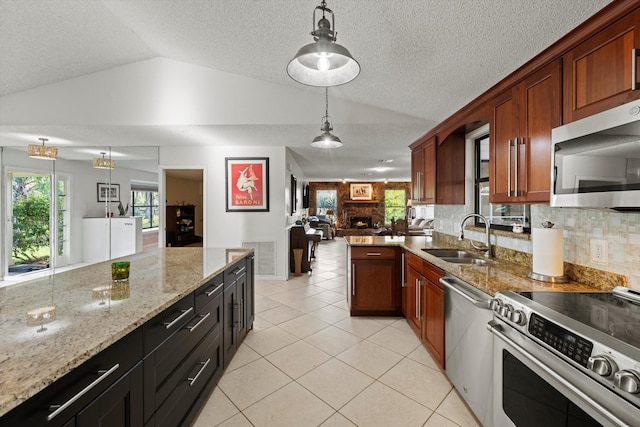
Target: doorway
[184, 190]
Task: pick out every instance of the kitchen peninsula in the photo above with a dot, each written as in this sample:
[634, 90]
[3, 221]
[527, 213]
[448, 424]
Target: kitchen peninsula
[166, 339]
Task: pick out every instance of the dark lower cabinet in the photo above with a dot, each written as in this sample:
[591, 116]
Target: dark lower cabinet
[160, 374]
[119, 405]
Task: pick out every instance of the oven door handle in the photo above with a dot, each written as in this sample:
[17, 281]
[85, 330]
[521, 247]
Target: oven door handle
[496, 329]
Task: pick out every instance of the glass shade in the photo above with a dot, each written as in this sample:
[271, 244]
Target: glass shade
[326, 140]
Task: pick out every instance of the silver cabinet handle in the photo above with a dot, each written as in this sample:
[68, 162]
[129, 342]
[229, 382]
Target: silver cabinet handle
[202, 319]
[402, 272]
[374, 254]
[634, 68]
[517, 156]
[496, 329]
[420, 299]
[238, 270]
[57, 409]
[236, 314]
[209, 293]
[353, 279]
[169, 325]
[193, 379]
[509, 168]
[242, 312]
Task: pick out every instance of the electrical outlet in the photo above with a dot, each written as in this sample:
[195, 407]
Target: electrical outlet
[599, 251]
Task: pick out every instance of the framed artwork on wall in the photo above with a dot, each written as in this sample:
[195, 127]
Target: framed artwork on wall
[108, 192]
[247, 184]
[361, 192]
[294, 192]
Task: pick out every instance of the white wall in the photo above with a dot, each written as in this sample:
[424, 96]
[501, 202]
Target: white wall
[230, 229]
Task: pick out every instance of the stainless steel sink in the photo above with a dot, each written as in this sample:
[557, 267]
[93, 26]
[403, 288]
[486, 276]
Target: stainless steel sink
[458, 256]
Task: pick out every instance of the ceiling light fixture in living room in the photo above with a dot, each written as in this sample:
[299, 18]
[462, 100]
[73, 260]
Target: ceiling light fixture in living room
[42, 151]
[324, 62]
[102, 163]
[326, 139]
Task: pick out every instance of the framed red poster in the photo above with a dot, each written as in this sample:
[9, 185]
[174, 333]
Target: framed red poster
[247, 184]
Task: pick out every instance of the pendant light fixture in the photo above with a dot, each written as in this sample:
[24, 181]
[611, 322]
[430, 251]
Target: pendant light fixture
[42, 151]
[325, 62]
[102, 163]
[326, 139]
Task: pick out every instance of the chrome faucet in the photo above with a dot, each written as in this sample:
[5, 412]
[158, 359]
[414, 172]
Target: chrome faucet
[485, 248]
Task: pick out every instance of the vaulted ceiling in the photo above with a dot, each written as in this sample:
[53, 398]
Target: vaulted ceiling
[421, 61]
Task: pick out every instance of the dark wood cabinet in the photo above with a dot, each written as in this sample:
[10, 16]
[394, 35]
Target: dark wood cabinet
[413, 290]
[599, 72]
[429, 170]
[417, 174]
[180, 225]
[433, 312]
[450, 172]
[235, 309]
[374, 285]
[523, 117]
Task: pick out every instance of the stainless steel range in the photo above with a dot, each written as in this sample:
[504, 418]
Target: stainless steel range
[566, 358]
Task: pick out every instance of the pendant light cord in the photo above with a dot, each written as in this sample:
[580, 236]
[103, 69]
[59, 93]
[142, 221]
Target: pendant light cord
[326, 101]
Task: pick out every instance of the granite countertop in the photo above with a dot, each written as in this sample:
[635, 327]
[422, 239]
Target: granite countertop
[499, 276]
[32, 360]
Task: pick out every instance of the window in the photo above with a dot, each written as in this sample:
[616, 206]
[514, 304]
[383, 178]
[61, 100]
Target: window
[499, 216]
[145, 203]
[326, 200]
[394, 205]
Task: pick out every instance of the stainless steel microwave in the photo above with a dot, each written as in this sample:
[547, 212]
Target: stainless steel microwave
[595, 161]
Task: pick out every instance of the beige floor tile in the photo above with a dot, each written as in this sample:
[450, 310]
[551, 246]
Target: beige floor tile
[370, 358]
[217, 409]
[264, 303]
[333, 340]
[360, 326]
[422, 384]
[269, 340]
[335, 382]
[381, 406]
[280, 314]
[260, 323]
[403, 325]
[421, 355]
[252, 382]
[267, 290]
[304, 326]
[307, 304]
[298, 358]
[244, 355]
[455, 409]
[237, 420]
[437, 420]
[290, 406]
[395, 340]
[330, 297]
[330, 314]
[342, 304]
[337, 420]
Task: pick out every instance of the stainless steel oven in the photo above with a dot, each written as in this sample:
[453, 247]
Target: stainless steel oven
[566, 359]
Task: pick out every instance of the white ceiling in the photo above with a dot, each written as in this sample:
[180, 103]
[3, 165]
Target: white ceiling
[421, 61]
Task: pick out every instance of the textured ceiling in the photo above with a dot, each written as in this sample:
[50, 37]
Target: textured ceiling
[422, 59]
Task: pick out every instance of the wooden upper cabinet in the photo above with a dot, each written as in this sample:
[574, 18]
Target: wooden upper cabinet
[450, 164]
[520, 159]
[599, 72]
[429, 177]
[417, 173]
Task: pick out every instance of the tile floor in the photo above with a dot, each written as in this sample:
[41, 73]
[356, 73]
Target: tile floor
[308, 363]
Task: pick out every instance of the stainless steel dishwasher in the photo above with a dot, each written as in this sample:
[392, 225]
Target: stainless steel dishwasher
[468, 345]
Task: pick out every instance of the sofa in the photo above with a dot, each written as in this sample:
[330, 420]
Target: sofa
[420, 224]
[328, 229]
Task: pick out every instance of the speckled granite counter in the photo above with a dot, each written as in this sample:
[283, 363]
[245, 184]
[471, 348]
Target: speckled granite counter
[32, 360]
[499, 276]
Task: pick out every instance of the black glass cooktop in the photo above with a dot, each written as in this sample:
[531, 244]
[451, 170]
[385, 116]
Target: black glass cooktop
[610, 313]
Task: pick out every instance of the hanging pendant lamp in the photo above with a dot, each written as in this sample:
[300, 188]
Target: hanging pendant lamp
[325, 62]
[102, 163]
[43, 152]
[326, 139]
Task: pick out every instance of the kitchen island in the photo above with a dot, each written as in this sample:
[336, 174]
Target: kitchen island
[84, 322]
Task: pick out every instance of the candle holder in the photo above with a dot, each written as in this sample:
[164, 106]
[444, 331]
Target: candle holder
[120, 280]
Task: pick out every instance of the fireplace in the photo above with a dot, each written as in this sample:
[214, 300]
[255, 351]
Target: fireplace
[360, 222]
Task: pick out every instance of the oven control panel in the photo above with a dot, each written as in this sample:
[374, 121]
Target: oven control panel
[569, 344]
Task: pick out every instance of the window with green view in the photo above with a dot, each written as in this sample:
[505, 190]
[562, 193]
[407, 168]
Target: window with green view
[394, 205]
[146, 205]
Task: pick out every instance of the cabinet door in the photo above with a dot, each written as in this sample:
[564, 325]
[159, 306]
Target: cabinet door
[230, 313]
[503, 133]
[433, 320]
[417, 174]
[599, 74]
[242, 290]
[250, 305]
[119, 406]
[374, 286]
[414, 281]
[429, 177]
[539, 111]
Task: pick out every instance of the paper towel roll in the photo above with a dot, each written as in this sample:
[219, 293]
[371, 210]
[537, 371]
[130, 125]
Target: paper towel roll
[548, 257]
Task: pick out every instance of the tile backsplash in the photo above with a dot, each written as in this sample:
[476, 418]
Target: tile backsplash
[620, 231]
